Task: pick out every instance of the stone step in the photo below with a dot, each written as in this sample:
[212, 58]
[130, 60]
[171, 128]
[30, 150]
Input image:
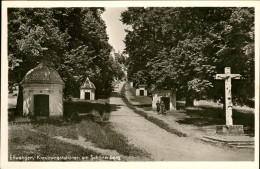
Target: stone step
[208, 140]
[244, 144]
[229, 141]
[240, 144]
[243, 147]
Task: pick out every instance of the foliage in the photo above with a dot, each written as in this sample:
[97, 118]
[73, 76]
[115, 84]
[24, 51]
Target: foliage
[183, 48]
[117, 69]
[73, 39]
[32, 38]
[121, 58]
[88, 51]
[71, 107]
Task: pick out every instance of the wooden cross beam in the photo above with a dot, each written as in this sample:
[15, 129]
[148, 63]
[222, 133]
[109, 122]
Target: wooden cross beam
[228, 99]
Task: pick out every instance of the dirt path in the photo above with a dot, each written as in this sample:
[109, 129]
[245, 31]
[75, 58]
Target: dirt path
[166, 146]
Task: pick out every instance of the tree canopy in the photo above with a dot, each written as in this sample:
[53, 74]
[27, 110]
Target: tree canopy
[183, 48]
[74, 40]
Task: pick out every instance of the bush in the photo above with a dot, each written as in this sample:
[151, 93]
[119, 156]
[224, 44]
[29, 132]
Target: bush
[72, 108]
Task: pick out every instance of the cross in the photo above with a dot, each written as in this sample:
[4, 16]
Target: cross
[228, 100]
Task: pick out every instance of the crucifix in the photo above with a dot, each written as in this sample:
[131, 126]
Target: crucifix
[228, 100]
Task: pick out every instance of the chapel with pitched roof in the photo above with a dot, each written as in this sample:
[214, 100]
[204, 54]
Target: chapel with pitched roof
[87, 90]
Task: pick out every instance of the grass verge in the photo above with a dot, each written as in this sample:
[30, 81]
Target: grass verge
[24, 143]
[206, 116]
[143, 100]
[199, 116]
[101, 134]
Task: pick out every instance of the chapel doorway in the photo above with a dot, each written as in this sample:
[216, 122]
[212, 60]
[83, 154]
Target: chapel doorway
[141, 92]
[87, 95]
[166, 101]
[41, 105]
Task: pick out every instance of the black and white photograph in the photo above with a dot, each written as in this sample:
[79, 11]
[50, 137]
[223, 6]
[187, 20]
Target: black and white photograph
[130, 83]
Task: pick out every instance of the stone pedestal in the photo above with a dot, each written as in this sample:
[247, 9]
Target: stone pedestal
[230, 129]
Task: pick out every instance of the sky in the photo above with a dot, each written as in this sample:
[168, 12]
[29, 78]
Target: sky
[115, 28]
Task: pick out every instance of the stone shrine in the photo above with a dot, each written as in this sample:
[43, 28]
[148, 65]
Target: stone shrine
[141, 90]
[42, 92]
[87, 90]
[167, 96]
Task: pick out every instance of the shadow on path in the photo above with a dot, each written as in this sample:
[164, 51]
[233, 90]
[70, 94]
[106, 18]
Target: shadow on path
[114, 107]
[116, 94]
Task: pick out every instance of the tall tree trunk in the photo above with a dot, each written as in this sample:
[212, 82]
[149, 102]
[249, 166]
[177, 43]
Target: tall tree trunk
[189, 101]
[19, 105]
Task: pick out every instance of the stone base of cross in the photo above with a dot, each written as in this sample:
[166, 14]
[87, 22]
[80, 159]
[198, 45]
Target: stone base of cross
[229, 128]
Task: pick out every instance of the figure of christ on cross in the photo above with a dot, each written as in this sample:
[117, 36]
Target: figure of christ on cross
[228, 99]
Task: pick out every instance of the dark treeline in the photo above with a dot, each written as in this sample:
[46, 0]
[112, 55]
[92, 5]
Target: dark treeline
[183, 48]
[73, 40]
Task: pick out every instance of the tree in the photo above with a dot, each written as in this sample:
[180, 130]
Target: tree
[32, 38]
[73, 39]
[141, 42]
[117, 69]
[236, 50]
[88, 50]
[183, 48]
[120, 58]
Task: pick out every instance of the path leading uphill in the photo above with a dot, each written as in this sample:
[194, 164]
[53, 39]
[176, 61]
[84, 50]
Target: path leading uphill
[163, 145]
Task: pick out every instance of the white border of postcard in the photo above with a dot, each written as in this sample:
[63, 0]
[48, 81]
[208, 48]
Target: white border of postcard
[126, 165]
